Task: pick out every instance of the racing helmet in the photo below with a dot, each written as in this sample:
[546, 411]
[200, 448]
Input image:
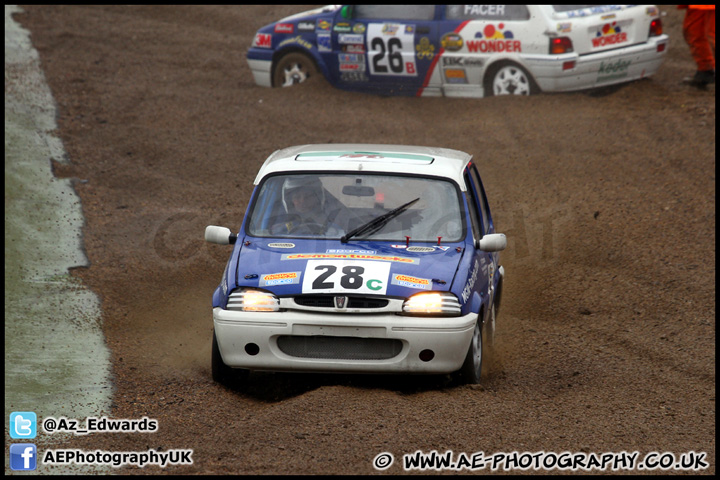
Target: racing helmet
[294, 184]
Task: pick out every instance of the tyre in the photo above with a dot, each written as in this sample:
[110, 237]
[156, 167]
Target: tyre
[489, 357]
[479, 355]
[221, 373]
[293, 68]
[509, 79]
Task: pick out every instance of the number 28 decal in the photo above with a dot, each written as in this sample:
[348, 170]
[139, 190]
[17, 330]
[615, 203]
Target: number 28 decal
[331, 276]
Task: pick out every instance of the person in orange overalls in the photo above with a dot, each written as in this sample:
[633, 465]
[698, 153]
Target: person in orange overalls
[699, 33]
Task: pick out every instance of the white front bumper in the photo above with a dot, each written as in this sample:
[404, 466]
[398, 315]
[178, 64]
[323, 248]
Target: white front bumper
[261, 71]
[250, 340]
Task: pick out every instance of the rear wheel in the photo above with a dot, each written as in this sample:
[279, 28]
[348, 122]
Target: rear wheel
[221, 373]
[293, 68]
[509, 79]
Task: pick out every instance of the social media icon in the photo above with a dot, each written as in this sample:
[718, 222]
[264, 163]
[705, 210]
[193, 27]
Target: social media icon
[23, 425]
[23, 456]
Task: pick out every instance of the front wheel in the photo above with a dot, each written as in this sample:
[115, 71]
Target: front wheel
[293, 68]
[471, 371]
[478, 358]
[509, 79]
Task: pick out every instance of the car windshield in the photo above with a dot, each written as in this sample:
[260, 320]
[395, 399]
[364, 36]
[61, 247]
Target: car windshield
[333, 205]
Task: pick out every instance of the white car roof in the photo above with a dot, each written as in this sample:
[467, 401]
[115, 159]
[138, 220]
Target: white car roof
[354, 157]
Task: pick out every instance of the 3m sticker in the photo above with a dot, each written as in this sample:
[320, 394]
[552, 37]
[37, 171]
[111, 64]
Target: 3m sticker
[337, 276]
[262, 40]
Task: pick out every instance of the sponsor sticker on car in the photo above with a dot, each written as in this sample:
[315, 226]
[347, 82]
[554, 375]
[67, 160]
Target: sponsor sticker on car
[273, 279]
[262, 40]
[411, 282]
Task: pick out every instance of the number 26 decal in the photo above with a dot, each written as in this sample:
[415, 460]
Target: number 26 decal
[394, 57]
[391, 49]
[323, 276]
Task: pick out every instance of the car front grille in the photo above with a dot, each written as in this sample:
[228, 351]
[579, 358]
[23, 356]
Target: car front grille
[339, 348]
[328, 301]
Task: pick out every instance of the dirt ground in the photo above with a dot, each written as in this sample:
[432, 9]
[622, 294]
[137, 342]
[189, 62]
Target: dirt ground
[607, 329]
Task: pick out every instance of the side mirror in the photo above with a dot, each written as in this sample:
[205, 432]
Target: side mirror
[219, 235]
[492, 242]
[345, 12]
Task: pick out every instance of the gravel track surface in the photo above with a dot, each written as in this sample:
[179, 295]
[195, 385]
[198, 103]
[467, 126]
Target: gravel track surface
[607, 329]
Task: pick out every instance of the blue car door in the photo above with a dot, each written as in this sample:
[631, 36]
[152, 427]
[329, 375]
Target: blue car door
[486, 262]
[384, 48]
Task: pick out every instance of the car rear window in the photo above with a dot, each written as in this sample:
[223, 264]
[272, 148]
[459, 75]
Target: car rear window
[487, 12]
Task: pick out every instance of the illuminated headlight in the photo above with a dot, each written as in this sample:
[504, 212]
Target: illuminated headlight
[432, 303]
[247, 300]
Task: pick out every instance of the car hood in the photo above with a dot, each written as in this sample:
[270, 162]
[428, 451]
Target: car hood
[294, 266]
[309, 13]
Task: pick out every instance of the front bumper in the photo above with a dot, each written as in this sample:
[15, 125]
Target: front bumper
[261, 70]
[598, 69]
[327, 342]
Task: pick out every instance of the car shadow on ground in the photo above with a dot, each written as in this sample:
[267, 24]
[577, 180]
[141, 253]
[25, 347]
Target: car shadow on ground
[600, 92]
[274, 387]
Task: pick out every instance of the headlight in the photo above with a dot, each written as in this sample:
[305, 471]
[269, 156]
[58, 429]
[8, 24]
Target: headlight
[247, 300]
[432, 303]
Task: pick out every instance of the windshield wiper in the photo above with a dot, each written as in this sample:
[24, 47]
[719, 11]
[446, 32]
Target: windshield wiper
[378, 222]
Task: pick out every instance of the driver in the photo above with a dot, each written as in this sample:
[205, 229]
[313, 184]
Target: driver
[304, 198]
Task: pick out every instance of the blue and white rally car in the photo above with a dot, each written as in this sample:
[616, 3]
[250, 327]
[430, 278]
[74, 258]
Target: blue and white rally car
[461, 50]
[360, 258]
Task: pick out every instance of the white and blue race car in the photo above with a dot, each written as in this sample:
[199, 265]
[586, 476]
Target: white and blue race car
[360, 258]
[461, 50]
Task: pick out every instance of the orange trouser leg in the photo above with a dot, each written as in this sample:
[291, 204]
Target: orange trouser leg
[699, 32]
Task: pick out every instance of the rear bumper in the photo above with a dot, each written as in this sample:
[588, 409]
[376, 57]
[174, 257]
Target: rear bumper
[598, 69]
[378, 343]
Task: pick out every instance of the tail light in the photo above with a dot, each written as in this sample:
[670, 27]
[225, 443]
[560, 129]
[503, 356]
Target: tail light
[559, 45]
[656, 28]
